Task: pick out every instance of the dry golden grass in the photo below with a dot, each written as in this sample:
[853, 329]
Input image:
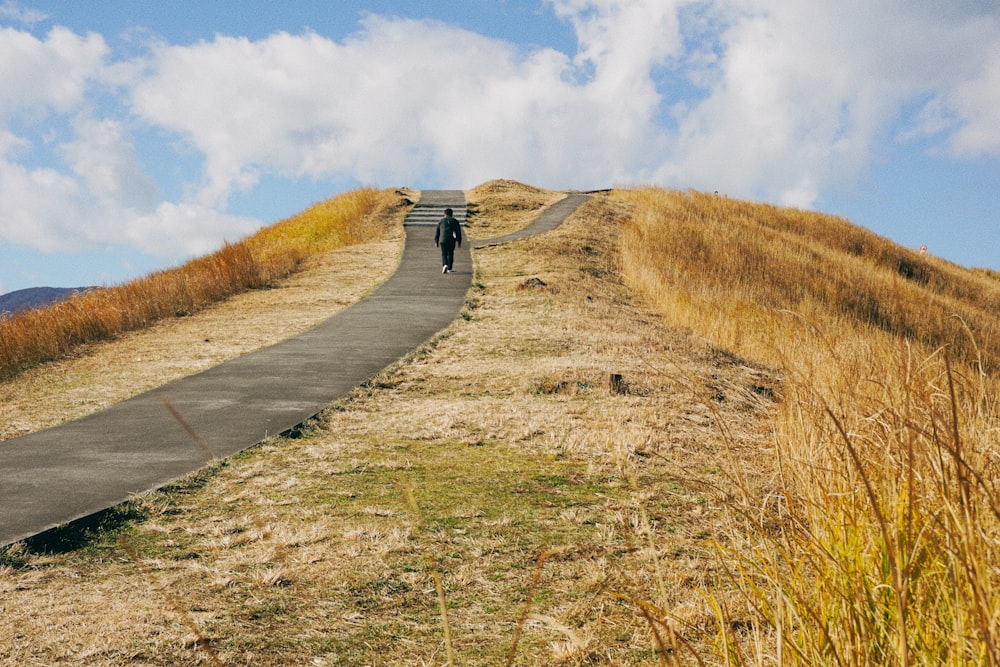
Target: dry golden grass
[551, 507]
[876, 541]
[749, 274]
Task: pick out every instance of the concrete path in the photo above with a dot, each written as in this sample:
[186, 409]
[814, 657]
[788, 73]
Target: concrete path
[549, 219]
[74, 470]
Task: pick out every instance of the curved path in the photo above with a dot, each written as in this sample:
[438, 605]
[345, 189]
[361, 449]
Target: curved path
[85, 466]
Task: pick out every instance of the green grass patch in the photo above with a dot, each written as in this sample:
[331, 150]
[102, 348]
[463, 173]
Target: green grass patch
[486, 514]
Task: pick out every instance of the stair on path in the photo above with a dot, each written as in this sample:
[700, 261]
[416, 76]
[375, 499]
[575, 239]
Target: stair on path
[431, 208]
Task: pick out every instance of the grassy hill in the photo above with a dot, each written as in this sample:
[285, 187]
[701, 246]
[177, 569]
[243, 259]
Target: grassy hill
[680, 429]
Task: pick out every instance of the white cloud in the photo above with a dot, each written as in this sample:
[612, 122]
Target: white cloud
[12, 144]
[10, 9]
[51, 74]
[623, 39]
[403, 99]
[773, 99]
[87, 204]
[97, 192]
[400, 99]
[52, 212]
[181, 231]
[42, 208]
[805, 90]
[103, 159]
[976, 104]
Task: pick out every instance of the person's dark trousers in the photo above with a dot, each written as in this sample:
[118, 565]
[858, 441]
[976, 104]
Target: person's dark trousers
[448, 255]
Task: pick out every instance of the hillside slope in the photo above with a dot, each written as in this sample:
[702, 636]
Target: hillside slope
[726, 257]
[574, 473]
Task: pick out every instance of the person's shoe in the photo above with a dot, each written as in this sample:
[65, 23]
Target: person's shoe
[444, 269]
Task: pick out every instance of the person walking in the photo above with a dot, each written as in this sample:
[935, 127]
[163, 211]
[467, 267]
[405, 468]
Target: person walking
[446, 237]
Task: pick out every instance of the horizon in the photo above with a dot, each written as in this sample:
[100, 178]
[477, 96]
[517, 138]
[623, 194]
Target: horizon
[137, 137]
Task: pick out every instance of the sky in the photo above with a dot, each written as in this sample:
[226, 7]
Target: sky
[136, 135]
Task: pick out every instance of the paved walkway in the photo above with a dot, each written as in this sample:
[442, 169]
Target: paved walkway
[548, 220]
[74, 470]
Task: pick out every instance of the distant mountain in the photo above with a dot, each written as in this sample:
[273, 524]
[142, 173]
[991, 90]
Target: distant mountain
[36, 297]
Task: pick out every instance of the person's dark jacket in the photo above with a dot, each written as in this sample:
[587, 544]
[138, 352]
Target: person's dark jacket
[448, 232]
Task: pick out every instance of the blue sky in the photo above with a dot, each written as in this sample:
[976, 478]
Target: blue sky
[136, 135]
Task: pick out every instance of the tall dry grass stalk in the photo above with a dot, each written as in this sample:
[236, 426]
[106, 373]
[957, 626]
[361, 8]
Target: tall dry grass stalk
[435, 574]
[878, 541]
[40, 335]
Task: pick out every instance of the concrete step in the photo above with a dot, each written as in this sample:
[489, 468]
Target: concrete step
[430, 214]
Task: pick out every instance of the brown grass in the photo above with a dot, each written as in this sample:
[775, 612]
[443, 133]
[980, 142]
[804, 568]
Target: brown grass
[729, 267]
